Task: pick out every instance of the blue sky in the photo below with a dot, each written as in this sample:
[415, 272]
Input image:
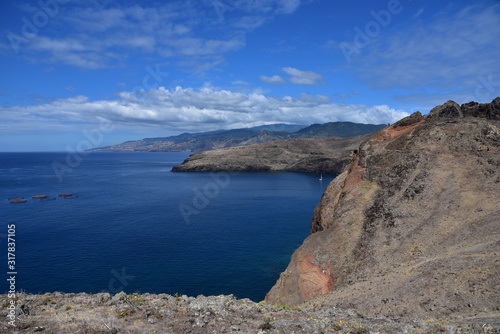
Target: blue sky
[113, 70]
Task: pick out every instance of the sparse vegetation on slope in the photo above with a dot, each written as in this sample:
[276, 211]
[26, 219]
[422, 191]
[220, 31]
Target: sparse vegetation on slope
[58, 313]
[408, 230]
[294, 155]
[411, 226]
[195, 142]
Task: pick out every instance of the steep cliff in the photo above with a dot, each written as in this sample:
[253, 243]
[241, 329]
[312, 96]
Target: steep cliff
[411, 227]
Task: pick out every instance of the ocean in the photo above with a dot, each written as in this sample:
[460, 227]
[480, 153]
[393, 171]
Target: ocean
[134, 226]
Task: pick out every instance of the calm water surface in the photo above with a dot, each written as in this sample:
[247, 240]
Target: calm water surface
[138, 227]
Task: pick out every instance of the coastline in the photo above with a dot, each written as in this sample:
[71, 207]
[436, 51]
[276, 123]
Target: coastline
[374, 219]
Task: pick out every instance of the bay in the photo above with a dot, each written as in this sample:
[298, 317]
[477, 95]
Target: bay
[137, 227]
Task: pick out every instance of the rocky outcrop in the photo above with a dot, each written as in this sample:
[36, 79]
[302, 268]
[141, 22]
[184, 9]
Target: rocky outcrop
[410, 120]
[295, 155]
[486, 110]
[472, 109]
[450, 109]
[411, 227]
[58, 313]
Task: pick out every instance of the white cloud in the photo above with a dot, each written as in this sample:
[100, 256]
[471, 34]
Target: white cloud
[436, 58]
[250, 22]
[302, 77]
[97, 19]
[240, 83]
[275, 79]
[199, 47]
[186, 109]
[60, 45]
[288, 6]
[89, 35]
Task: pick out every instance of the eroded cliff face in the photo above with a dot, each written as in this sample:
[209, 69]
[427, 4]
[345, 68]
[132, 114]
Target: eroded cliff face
[411, 227]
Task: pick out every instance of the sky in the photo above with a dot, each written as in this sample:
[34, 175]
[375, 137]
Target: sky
[79, 74]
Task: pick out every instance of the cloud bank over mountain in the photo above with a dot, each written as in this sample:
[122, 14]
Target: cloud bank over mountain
[187, 109]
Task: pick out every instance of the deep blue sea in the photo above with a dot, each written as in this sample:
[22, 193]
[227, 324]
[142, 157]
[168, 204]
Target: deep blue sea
[137, 227]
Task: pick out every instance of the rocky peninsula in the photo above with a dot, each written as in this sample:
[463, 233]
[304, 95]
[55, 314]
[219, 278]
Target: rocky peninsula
[293, 155]
[409, 230]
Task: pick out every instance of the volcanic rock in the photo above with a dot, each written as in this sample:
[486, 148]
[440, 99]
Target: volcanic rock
[294, 155]
[411, 227]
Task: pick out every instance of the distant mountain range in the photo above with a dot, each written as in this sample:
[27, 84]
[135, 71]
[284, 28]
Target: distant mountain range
[195, 142]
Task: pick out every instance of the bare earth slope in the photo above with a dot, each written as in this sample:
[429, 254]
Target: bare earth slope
[296, 155]
[412, 226]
